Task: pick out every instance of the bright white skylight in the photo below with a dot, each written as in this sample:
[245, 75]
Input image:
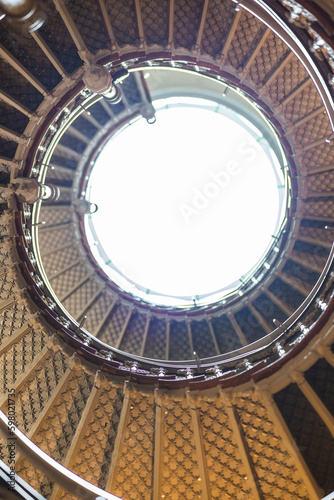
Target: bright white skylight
[187, 206]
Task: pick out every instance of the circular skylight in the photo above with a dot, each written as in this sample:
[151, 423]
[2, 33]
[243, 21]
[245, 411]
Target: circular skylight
[188, 206]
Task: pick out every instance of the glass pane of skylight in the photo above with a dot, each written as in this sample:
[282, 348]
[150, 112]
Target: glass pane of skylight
[187, 205]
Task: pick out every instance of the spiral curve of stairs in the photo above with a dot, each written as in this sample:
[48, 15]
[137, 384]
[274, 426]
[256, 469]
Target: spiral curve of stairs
[120, 400]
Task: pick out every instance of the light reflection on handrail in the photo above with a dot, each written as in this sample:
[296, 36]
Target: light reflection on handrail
[58, 473]
[262, 11]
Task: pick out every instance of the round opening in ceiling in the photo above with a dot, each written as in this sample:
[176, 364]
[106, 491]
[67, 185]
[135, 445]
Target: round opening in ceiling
[190, 206]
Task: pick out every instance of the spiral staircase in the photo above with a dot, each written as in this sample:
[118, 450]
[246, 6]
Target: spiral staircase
[105, 384]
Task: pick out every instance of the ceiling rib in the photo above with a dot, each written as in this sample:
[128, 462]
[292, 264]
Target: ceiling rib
[91, 302]
[285, 434]
[105, 317]
[306, 263]
[306, 118]
[201, 26]
[92, 120]
[76, 287]
[83, 52]
[14, 63]
[242, 445]
[282, 305]
[265, 325]
[48, 407]
[68, 152]
[77, 134]
[327, 353]
[302, 289]
[213, 335]
[108, 23]
[294, 93]
[229, 39]
[171, 24]
[315, 401]
[79, 435]
[315, 241]
[237, 329]
[49, 53]
[124, 327]
[14, 338]
[191, 343]
[57, 249]
[147, 326]
[30, 369]
[167, 338]
[255, 53]
[111, 479]
[107, 108]
[15, 104]
[55, 227]
[320, 169]
[12, 136]
[140, 23]
[200, 451]
[266, 83]
[158, 443]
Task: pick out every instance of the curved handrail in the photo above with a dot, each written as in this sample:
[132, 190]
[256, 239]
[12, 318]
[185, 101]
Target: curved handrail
[260, 9]
[91, 349]
[265, 13]
[243, 352]
[58, 473]
[77, 109]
